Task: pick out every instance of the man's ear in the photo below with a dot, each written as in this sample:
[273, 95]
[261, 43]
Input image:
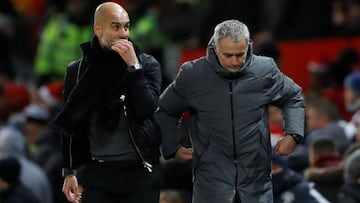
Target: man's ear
[214, 46]
[97, 29]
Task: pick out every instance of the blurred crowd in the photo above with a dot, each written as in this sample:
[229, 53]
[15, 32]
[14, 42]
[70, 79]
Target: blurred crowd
[38, 38]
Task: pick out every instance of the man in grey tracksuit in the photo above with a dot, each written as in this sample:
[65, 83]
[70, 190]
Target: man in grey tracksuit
[227, 93]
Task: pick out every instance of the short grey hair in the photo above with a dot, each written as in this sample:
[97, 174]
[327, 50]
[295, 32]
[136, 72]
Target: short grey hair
[233, 29]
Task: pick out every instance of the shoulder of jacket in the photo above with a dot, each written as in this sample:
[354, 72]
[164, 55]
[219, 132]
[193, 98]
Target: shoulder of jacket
[264, 60]
[148, 61]
[146, 58]
[74, 63]
[194, 64]
[194, 70]
[73, 68]
[262, 65]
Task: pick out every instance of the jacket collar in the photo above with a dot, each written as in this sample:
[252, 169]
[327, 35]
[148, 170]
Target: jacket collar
[212, 59]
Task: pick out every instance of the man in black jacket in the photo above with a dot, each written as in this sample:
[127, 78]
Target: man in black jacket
[110, 96]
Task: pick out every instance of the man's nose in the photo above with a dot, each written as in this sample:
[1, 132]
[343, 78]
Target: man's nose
[235, 60]
[122, 34]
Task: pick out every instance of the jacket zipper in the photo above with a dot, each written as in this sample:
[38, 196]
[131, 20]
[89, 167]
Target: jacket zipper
[233, 133]
[146, 164]
[232, 120]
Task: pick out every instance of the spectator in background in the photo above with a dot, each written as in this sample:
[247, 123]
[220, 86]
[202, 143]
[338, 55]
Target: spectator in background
[50, 95]
[7, 35]
[325, 168]
[288, 185]
[44, 146]
[13, 99]
[148, 31]
[349, 192]
[348, 58]
[32, 176]
[318, 72]
[324, 120]
[35, 121]
[323, 153]
[346, 16]
[60, 40]
[352, 95]
[345, 64]
[352, 27]
[355, 144]
[11, 188]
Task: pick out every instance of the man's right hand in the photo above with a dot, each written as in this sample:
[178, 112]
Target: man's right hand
[184, 154]
[71, 189]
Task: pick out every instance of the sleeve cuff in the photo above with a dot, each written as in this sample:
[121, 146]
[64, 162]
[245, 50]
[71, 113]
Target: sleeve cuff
[136, 66]
[68, 172]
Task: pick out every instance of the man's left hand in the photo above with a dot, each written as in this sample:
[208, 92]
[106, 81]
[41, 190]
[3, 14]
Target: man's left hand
[125, 49]
[184, 154]
[285, 146]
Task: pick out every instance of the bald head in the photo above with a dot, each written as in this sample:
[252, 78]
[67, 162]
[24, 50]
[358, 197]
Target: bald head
[106, 9]
[111, 23]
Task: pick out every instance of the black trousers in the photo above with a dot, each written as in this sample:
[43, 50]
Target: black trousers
[120, 182]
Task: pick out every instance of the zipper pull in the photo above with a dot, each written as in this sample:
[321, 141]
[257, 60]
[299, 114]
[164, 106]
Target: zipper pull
[147, 166]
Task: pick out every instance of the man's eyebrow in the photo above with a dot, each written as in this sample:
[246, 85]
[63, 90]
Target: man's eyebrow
[120, 23]
[115, 23]
[234, 54]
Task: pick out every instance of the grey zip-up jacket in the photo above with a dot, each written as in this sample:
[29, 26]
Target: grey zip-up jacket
[229, 124]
